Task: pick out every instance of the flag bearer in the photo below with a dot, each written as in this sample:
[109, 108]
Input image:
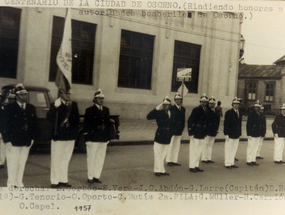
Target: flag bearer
[64, 116]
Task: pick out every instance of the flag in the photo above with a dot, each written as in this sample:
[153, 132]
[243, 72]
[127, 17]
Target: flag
[64, 57]
[185, 90]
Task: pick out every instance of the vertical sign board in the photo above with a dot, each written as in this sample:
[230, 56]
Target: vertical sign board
[183, 74]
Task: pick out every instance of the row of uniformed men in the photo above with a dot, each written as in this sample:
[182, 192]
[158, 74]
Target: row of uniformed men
[203, 122]
[203, 125]
[20, 128]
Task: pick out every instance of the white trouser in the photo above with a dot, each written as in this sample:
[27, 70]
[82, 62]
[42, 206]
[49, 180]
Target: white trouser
[96, 152]
[252, 147]
[61, 152]
[16, 161]
[278, 148]
[231, 147]
[195, 151]
[259, 146]
[160, 152]
[2, 151]
[174, 147]
[208, 147]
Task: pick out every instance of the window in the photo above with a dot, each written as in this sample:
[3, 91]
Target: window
[186, 55]
[83, 41]
[136, 54]
[269, 92]
[9, 41]
[252, 89]
[37, 99]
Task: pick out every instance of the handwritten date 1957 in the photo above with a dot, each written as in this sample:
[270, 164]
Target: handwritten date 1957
[83, 208]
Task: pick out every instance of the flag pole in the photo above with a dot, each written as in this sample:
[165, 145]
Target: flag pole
[182, 91]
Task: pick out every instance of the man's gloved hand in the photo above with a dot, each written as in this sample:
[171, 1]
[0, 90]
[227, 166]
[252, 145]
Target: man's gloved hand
[159, 107]
[57, 103]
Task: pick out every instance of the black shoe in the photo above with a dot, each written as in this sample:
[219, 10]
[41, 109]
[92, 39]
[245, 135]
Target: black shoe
[169, 164]
[64, 184]
[96, 180]
[165, 173]
[157, 174]
[1, 166]
[258, 157]
[279, 162]
[234, 166]
[254, 163]
[210, 161]
[236, 159]
[249, 163]
[54, 185]
[176, 164]
[205, 161]
[228, 167]
[198, 169]
[192, 170]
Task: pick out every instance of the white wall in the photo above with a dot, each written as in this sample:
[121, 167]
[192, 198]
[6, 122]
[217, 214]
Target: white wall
[218, 61]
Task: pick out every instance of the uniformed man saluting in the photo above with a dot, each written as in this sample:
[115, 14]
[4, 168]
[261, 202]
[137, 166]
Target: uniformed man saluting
[163, 134]
[97, 136]
[64, 116]
[21, 128]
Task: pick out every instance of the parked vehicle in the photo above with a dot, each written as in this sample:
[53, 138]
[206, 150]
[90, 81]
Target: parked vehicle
[40, 98]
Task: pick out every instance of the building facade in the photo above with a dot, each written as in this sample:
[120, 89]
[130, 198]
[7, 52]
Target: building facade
[132, 55]
[263, 83]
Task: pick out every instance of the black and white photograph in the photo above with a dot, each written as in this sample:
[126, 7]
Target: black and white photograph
[142, 107]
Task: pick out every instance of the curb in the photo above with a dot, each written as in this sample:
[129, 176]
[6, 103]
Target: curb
[150, 142]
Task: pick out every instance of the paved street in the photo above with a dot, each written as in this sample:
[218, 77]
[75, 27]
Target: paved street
[143, 131]
[132, 167]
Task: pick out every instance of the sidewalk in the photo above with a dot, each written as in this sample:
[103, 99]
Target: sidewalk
[142, 131]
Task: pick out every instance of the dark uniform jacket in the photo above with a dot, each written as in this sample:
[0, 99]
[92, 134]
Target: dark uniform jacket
[3, 129]
[165, 124]
[97, 124]
[232, 124]
[197, 122]
[21, 125]
[254, 125]
[178, 119]
[213, 122]
[278, 125]
[1, 118]
[263, 117]
[62, 129]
